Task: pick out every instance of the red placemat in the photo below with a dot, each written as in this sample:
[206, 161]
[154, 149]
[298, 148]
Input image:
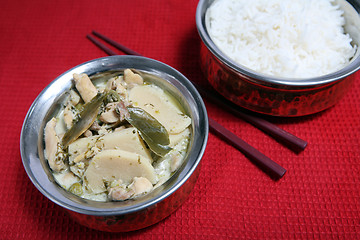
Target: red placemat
[318, 198]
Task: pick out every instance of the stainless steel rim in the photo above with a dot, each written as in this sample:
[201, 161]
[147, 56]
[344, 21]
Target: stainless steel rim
[260, 78]
[31, 134]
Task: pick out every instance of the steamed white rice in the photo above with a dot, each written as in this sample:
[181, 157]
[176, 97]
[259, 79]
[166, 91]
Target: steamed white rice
[283, 38]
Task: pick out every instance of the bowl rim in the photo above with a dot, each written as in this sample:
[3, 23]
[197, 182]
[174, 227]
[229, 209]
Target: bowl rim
[30, 153]
[263, 78]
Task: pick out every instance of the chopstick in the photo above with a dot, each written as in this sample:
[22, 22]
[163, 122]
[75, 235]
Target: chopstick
[116, 44]
[267, 165]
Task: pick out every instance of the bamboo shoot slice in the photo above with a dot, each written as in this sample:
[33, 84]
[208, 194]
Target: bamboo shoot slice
[176, 138]
[110, 165]
[154, 101]
[127, 139]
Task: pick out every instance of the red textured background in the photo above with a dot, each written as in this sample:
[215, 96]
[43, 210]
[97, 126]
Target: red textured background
[318, 198]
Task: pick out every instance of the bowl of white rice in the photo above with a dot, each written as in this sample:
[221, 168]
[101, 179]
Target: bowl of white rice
[280, 57]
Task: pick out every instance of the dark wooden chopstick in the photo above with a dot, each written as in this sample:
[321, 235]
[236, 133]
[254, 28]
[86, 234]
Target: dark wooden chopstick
[265, 163]
[116, 44]
[270, 167]
[101, 45]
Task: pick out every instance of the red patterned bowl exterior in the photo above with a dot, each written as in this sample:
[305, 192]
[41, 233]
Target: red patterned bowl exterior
[270, 99]
[141, 219]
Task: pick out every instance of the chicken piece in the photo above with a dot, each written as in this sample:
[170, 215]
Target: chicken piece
[104, 130]
[119, 191]
[122, 111]
[110, 114]
[70, 114]
[87, 133]
[53, 151]
[140, 185]
[117, 84]
[87, 155]
[120, 194]
[121, 90]
[95, 126]
[132, 78]
[85, 87]
[112, 83]
[74, 98]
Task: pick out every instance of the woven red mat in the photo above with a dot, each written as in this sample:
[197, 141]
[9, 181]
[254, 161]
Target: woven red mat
[318, 198]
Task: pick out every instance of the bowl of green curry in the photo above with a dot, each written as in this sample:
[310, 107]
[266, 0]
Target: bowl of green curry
[116, 142]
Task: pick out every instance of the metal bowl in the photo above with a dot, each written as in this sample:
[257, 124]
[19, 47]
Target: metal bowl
[116, 216]
[271, 95]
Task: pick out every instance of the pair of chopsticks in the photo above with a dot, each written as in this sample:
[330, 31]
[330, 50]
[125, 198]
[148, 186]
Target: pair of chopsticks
[270, 167]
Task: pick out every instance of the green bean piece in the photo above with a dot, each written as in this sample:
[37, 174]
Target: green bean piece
[151, 130]
[87, 117]
[76, 189]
